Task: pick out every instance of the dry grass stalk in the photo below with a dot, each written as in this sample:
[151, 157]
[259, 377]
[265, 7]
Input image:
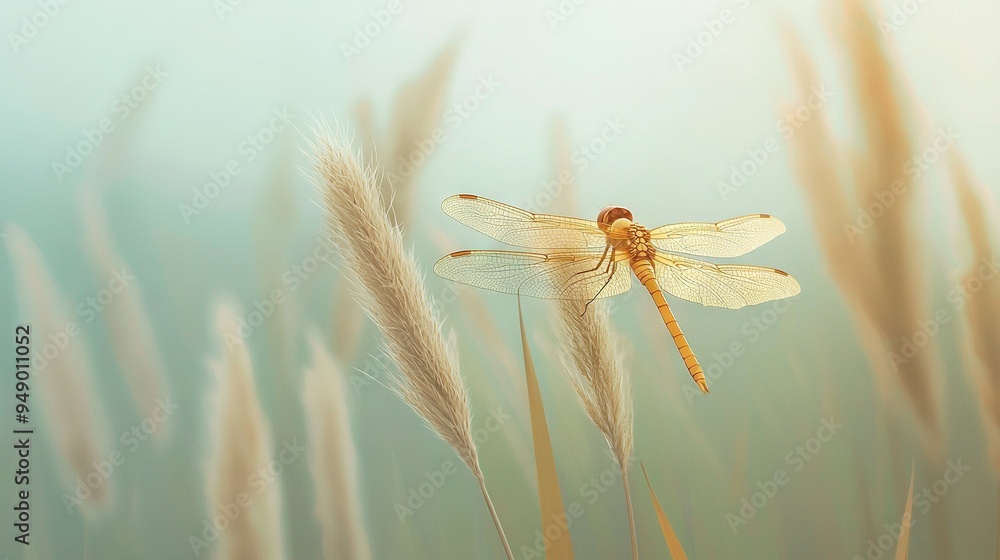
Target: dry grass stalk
[876, 265]
[590, 353]
[550, 501]
[982, 355]
[128, 323]
[903, 545]
[333, 458]
[669, 535]
[242, 447]
[63, 376]
[393, 295]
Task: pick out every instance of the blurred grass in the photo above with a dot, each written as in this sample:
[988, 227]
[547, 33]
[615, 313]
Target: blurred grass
[707, 453]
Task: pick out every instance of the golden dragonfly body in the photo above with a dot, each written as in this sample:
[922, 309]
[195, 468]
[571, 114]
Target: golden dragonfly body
[583, 260]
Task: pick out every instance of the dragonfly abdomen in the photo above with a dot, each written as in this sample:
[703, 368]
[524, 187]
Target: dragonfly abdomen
[644, 271]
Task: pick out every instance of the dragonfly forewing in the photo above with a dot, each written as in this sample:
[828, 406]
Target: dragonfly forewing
[520, 228]
[728, 238]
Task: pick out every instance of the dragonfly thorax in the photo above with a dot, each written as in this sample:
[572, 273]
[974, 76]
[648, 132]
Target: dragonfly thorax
[638, 242]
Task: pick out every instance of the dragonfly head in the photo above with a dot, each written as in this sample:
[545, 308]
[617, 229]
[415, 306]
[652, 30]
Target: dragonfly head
[610, 216]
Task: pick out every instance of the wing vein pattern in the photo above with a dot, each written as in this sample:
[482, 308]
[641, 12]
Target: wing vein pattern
[521, 228]
[728, 238]
[557, 275]
[722, 285]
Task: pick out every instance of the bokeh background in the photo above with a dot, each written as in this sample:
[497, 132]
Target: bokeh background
[510, 93]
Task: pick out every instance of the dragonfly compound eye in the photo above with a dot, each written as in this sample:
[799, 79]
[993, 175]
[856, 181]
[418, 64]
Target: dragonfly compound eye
[611, 214]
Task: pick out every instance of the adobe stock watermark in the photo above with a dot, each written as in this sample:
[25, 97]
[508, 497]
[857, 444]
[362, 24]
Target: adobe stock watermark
[454, 117]
[562, 12]
[255, 485]
[899, 16]
[32, 25]
[419, 496]
[928, 328]
[797, 460]
[366, 33]
[713, 28]
[914, 170]
[923, 500]
[128, 443]
[758, 157]
[121, 108]
[580, 159]
[752, 331]
[247, 152]
[87, 311]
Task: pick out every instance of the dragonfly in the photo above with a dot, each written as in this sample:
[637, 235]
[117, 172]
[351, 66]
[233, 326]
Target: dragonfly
[583, 260]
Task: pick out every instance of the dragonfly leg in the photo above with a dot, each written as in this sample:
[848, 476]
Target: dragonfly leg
[604, 255]
[612, 266]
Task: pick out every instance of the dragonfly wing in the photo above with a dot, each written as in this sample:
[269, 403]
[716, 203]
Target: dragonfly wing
[559, 275]
[722, 285]
[728, 238]
[521, 228]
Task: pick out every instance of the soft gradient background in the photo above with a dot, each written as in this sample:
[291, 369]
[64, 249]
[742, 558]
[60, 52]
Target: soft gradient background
[683, 131]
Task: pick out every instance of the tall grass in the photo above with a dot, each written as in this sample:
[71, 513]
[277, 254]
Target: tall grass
[64, 379]
[550, 499]
[981, 353]
[132, 335]
[241, 449]
[864, 202]
[392, 293]
[333, 458]
[874, 256]
[590, 352]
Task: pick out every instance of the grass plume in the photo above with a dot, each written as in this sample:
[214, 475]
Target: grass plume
[333, 458]
[241, 448]
[874, 262]
[415, 116]
[591, 354]
[63, 378]
[392, 293]
[982, 355]
[131, 331]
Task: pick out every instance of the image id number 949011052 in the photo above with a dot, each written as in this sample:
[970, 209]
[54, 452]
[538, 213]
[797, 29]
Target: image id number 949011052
[22, 434]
